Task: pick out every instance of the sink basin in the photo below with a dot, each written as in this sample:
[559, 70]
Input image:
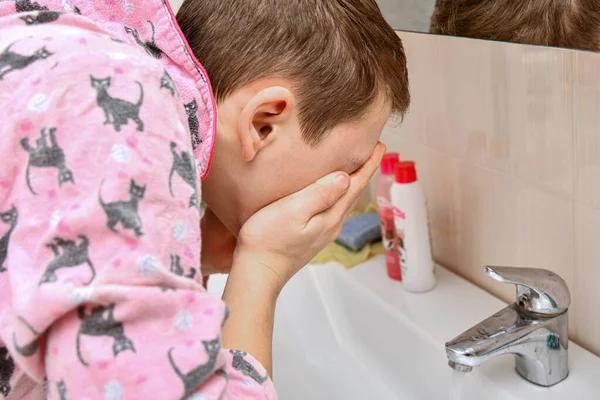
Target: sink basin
[355, 334]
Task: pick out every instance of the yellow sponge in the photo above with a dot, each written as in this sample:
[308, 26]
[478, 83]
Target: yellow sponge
[346, 257]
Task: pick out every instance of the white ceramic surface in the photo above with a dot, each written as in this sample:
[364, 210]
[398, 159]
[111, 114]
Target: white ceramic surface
[355, 334]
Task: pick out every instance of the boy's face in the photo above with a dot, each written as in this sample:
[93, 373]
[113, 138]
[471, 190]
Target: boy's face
[260, 156]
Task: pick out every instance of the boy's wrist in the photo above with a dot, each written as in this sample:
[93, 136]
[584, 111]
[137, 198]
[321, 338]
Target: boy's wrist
[256, 275]
[251, 294]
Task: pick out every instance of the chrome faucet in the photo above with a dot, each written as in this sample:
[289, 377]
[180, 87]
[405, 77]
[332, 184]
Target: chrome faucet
[534, 328]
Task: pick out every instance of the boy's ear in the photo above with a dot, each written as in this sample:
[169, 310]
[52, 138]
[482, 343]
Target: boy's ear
[262, 118]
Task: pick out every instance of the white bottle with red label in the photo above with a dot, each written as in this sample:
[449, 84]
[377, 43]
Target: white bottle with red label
[412, 229]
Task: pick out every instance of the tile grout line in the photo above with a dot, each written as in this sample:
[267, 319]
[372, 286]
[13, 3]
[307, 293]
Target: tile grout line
[575, 68]
[574, 226]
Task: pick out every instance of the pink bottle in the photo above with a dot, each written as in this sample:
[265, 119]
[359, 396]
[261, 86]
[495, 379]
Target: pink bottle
[383, 184]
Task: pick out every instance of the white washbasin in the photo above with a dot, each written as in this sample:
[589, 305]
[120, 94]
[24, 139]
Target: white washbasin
[355, 334]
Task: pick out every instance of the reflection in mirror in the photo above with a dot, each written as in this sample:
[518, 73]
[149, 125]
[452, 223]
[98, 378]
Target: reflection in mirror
[573, 24]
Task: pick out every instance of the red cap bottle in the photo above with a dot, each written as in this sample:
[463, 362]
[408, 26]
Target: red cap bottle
[388, 162]
[412, 229]
[405, 172]
[383, 185]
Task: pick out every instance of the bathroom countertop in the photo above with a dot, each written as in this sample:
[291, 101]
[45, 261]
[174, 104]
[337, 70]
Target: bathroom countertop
[356, 334]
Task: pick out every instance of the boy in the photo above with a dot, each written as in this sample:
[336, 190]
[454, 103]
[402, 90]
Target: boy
[570, 24]
[109, 124]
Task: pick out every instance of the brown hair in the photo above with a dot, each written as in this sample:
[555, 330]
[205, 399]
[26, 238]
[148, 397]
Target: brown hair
[339, 54]
[562, 23]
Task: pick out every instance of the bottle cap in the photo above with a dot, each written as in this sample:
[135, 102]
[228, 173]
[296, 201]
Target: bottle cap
[405, 172]
[388, 162]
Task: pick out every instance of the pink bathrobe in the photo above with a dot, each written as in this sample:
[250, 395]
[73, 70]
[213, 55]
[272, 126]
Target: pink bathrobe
[107, 125]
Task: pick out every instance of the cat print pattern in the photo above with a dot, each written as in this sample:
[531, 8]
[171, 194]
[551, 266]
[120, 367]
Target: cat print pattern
[47, 155]
[166, 82]
[101, 322]
[30, 348]
[42, 17]
[191, 109]
[150, 46]
[10, 218]
[7, 368]
[27, 5]
[125, 212]
[61, 388]
[240, 364]
[196, 376]
[68, 254]
[183, 165]
[177, 269]
[117, 112]
[11, 61]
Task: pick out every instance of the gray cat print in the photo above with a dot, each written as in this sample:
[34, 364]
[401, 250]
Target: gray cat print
[47, 154]
[117, 112]
[183, 165]
[149, 45]
[67, 254]
[125, 212]
[101, 322]
[7, 368]
[31, 347]
[192, 379]
[9, 217]
[11, 61]
[191, 109]
[240, 364]
[42, 17]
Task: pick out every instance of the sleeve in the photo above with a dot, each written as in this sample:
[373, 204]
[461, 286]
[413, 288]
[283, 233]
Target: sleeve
[104, 299]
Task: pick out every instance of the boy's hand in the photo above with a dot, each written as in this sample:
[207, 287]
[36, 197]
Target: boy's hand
[284, 236]
[218, 244]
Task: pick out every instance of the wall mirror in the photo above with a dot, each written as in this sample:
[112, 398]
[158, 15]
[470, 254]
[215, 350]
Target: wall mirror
[573, 24]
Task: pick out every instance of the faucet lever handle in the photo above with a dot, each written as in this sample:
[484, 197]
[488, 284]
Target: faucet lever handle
[538, 290]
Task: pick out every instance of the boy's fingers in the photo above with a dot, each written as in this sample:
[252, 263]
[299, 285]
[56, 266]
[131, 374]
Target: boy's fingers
[320, 196]
[326, 193]
[360, 179]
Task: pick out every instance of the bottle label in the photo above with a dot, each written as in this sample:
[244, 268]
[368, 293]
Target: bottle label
[398, 213]
[388, 237]
[387, 231]
[402, 252]
[399, 222]
[382, 202]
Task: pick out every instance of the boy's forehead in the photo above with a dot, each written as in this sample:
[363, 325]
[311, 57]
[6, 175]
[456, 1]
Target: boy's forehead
[350, 149]
[350, 144]
[360, 138]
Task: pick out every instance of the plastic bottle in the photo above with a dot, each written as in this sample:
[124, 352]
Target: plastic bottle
[383, 185]
[412, 229]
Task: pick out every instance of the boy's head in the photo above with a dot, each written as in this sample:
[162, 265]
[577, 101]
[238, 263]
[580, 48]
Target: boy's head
[303, 89]
[572, 24]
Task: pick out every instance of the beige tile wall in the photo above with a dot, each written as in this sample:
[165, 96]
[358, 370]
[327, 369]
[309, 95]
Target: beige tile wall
[507, 142]
[175, 4]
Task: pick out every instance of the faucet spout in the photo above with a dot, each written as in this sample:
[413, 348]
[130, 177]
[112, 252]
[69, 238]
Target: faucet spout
[459, 367]
[538, 342]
